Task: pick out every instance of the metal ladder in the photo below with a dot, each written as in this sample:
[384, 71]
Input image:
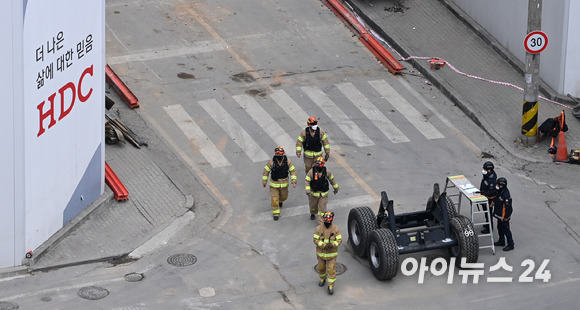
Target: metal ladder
[464, 187]
[478, 210]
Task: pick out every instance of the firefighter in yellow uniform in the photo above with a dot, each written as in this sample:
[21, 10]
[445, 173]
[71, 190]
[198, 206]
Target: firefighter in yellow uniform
[278, 168]
[327, 238]
[311, 140]
[317, 186]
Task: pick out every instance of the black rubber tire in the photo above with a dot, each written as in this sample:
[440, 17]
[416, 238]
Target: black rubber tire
[361, 221]
[383, 254]
[463, 231]
[451, 211]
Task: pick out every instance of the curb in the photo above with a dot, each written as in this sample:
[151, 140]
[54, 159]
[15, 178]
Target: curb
[445, 88]
[57, 237]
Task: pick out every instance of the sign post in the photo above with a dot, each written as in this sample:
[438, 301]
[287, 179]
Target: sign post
[534, 43]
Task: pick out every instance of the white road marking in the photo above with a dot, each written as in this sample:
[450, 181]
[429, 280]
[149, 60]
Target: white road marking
[290, 107]
[286, 212]
[405, 108]
[264, 120]
[338, 117]
[166, 52]
[196, 136]
[234, 130]
[372, 113]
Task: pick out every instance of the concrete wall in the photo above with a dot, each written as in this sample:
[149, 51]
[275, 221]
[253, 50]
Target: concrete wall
[507, 22]
[54, 128]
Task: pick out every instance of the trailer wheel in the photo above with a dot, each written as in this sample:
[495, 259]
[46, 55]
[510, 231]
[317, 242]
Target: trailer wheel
[451, 211]
[383, 254]
[361, 221]
[463, 231]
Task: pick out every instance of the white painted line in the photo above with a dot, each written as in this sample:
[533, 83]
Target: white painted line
[166, 52]
[286, 212]
[405, 108]
[264, 120]
[372, 113]
[234, 130]
[163, 237]
[290, 107]
[196, 136]
[335, 113]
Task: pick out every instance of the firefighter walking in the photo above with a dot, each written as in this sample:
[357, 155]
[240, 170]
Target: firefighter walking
[278, 168]
[327, 238]
[311, 140]
[317, 186]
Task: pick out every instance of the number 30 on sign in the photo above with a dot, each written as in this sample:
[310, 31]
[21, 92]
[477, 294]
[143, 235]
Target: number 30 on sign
[535, 42]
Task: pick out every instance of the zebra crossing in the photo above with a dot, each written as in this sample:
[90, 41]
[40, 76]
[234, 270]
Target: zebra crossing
[368, 106]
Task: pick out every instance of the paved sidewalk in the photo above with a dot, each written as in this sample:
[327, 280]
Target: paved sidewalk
[440, 29]
[110, 229]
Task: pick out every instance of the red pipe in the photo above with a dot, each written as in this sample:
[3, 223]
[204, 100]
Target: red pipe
[367, 39]
[121, 88]
[121, 193]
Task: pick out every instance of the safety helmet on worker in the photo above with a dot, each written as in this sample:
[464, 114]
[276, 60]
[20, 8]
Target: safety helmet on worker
[502, 182]
[328, 217]
[312, 121]
[319, 162]
[488, 165]
[279, 151]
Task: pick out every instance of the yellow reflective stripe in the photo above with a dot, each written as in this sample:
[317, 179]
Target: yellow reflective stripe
[319, 243]
[307, 178]
[333, 254]
[320, 213]
[293, 177]
[279, 185]
[335, 243]
[335, 185]
[331, 177]
[264, 177]
[338, 237]
[323, 275]
[267, 168]
[331, 281]
[300, 139]
[311, 153]
[276, 211]
[307, 188]
[292, 168]
[323, 137]
[327, 146]
[316, 236]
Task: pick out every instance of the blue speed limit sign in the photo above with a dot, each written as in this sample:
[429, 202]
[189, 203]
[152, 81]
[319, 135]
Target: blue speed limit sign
[535, 42]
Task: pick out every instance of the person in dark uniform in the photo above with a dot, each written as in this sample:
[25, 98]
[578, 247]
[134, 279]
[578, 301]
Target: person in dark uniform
[503, 212]
[312, 140]
[487, 188]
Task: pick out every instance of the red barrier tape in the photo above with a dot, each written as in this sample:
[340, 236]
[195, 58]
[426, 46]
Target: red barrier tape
[367, 39]
[121, 193]
[121, 88]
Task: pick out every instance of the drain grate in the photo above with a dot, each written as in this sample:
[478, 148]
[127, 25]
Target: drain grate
[134, 277]
[5, 305]
[338, 268]
[181, 260]
[92, 292]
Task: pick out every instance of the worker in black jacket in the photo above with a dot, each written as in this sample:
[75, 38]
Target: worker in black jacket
[487, 188]
[503, 212]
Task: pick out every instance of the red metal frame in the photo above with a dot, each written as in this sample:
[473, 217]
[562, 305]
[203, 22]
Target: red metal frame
[121, 88]
[121, 193]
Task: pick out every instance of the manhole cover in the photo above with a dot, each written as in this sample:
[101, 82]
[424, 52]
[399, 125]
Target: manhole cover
[338, 268]
[92, 293]
[46, 299]
[181, 260]
[5, 305]
[133, 277]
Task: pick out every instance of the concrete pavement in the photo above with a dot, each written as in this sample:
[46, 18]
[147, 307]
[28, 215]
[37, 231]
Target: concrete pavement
[110, 230]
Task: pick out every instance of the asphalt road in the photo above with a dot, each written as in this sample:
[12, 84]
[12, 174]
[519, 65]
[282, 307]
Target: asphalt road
[222, 83]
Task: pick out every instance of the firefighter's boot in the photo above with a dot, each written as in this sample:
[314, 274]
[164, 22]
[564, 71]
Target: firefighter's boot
[331, 289]
[322, 281]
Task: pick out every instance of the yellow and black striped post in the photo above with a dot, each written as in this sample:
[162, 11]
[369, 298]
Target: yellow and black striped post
[530, 118]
